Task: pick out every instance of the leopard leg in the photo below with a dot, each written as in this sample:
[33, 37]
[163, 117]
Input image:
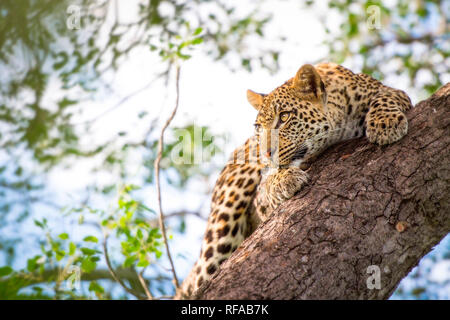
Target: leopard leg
[228, 222]
[386, 120]
[276, 188]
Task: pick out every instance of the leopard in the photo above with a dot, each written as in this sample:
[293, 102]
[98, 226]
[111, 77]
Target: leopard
[321, 105]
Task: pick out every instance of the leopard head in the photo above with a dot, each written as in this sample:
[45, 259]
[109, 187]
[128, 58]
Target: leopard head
[292, 118]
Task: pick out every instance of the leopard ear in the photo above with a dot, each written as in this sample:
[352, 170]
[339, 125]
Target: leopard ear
[255, 99]
[309, 84]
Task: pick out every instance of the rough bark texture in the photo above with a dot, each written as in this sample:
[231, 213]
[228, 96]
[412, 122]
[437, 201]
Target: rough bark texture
[366, 205]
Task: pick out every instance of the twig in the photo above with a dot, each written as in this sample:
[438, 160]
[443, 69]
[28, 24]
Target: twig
[406, 40]
[144, 285]
[183, 213]
[158, 184]
[122, 101]
[155, 222]
[113, 273]
[175, 214]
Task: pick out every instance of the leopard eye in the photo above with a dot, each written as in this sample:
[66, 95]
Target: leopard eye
[285, 116]
[257, 127]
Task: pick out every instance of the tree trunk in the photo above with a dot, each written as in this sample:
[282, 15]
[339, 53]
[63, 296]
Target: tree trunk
[369, 213]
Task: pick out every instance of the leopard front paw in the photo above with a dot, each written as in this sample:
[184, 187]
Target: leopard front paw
[284, 184]
[386, 128]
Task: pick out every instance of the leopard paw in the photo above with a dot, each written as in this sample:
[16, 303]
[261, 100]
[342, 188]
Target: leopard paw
[386, 128]
[284, 184]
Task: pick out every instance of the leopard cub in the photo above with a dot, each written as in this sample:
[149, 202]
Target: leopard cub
[320, 106]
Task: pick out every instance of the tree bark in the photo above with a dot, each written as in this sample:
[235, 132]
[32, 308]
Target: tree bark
[366, 205]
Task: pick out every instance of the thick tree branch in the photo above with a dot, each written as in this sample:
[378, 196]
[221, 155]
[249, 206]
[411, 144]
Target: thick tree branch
[126, 274]
[365, 206]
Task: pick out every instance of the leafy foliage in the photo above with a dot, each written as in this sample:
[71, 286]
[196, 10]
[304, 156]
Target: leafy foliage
[64, 263]
[404, 38]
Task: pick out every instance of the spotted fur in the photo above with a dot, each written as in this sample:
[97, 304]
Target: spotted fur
[319, 107]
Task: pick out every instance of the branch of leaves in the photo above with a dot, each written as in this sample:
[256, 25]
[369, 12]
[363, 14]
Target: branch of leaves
[139, 241]
[176, 47]
[140, 245]
[64, 255]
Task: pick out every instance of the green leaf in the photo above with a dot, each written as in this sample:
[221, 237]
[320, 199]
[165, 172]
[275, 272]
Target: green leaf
[197, 31]
[153, 233]
[95, 287]
[90, 239]
[40, 224]
[131, 187]
[87, 265]
[64, 59]
[129, 261]
[37, 289]
[182, 228]
[89, 251]
[60, 254]
[143, 263]
[184, 56]
[32, 264]
[64, 236]
[66, 102]
[6, 270]
[197, 41]
[72, 248]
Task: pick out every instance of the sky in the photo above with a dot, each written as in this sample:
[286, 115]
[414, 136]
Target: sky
[210, 95]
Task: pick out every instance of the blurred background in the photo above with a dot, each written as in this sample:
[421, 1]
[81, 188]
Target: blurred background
[86, 87]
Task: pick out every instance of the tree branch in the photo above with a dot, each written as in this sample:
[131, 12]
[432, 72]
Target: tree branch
[144, 285]
[384, 207]
[125, 274]
[426, 38]
[114, 274]
[122, 101]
